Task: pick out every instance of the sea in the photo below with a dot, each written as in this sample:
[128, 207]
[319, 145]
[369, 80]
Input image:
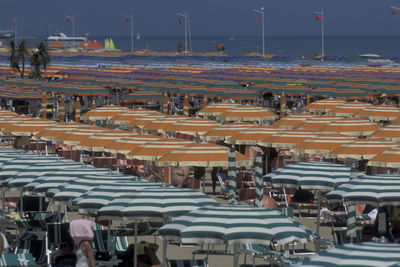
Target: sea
[338, 49]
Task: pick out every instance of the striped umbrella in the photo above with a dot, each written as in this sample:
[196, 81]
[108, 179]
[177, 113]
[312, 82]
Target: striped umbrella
[316, 123]
[141, 122]
[235, 225]
[49, 134]
[253, 136]
[368, 254]
[309, 175]
[248, 113]
[259, 181]
[192, 126]
[154, 150]
[351, 126]
[376, 190]
[28, 128]
[98, 141]
[322, 144]
[381, 112]
[324, 105]
[287, 139]
[362, 149]
[349, 109]
[126, 117]
[103, 113]
[232, 175]
[127, 144]
[73, 138]
[216, 109]
[226, 131]
[389, 132]
[160, 125]
[388, 159]
[293, 121]
[202, 155]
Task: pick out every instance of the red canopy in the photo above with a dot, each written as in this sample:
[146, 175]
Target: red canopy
[84, 44]
[56, 43]
[95, 45]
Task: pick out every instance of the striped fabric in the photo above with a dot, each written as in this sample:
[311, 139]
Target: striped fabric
[387, 159]
[259, 181]
[186, 106]
[232, 175]
[381, 190]
[309, 175]
[154, 204]
[351, 221]
[369, 254]
[8, 259]
[248, 113]
[229, 224]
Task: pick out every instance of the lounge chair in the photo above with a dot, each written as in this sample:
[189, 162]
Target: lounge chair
[21, 259]
[187, 263]
[257, 251]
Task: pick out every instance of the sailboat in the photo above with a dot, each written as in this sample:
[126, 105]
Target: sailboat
[109, 45]
[138, 37]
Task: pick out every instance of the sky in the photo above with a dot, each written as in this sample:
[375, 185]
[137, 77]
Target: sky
[207, 17]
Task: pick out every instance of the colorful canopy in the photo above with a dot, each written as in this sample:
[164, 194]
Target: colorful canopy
[216, 108]
[287, 139]
[153, 150]
[389, 132]
[253, 136]
[226, 131]
[293, 121]
[324, 105]
[316, 123]
[351, 126]
[192, 126]
[381, 112]
[126, 144]
[389, 158]
[103, 113]
[248, 113]
[349, 109]
[98, 141]
[322, 144]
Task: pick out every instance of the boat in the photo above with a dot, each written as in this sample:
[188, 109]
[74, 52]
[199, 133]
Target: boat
[65, 40]
[138, 37]
[375, 59]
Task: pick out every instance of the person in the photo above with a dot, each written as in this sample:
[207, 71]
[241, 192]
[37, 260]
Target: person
[84, 255]
[303, 196]
[3, 244]
[146, 255]
[214, 178]
[64, 256]
[180, 177]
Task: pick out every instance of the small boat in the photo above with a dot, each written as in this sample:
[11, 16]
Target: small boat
[376, 60]
[138, 37]
[65, 40]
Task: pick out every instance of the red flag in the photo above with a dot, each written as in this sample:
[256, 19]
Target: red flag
[67, 20]
[14, 22]
[179, 21]
[318, 16]
[256, 17]
[127, 20]
[394, 12]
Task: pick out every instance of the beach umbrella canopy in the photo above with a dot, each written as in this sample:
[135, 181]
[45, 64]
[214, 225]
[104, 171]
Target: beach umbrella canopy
[192, 126]
[362, 149]
[349, 109]
[324, 105]
[287, 139]
[309, 175]
[368, 254]
[153, 150]
[231, 224]
[98, 141]
[376, 190]
[142, 122]
[74, 137]
[103, 113]
[160, 125]
[127, 144]
[381, 112]
[125, 117]
[248, 113]
[316, 123]
[49, 134]
[253, 136]
[389, 132]
[28, 128]
[351, 127]
[226, 131]
[153, 204]
[201, 155]
[387, 159]
[322, 144]
[293, 121]
[216, 109]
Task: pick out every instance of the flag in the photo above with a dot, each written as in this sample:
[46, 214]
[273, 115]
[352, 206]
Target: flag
[67, 20]
[318, 16]
[256, 17]
[127, 19]
[14, 22]
[394, 12]
[179, 21]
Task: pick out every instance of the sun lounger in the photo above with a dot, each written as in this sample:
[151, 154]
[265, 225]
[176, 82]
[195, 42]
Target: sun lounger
[9, 259]
[187, 263]
[257, 251]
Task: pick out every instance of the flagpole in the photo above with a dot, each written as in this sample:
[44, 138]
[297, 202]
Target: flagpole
[73, 31]
[15, 31]
[322, 36]
[131, 33]
[261, 11]
[186, 39]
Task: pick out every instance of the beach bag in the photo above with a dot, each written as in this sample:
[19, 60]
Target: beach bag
[80, 230]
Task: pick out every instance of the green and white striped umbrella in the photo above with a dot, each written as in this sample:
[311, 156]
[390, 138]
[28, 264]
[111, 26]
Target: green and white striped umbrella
[100, 196]
[231, 224]
[368, 254]
[376, 190]
[259, 181]
[232, 175]
[77, 188]
[31, 173]
[309, 175]
[41, 185]
[153, 204]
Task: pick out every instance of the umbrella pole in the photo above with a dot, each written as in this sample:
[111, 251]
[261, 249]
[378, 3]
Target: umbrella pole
[164, 261]
[318, 214]
[136, 242]
[235, 255]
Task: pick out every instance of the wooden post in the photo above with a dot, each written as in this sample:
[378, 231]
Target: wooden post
[44, 105]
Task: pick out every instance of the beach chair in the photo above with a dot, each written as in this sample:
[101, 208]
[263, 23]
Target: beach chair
[257, 251]
[21, 259]
[224, 188]
[187, 263]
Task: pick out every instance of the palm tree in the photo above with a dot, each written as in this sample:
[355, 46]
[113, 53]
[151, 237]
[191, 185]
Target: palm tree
[23, 53]
[14, 58]
[40, 59]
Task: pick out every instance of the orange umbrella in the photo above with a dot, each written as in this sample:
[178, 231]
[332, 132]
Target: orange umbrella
[316, 123]
[322, 144]
[362, 149]
[201, 155]
[351, 126]
[73, 138]
[226, 131]
[293, 121]
[253, 136]
[103, 113]
[192, 126]
[161, 125]
[287, 139]
[128, 116]
[389, 132]
[248, 113]
[324, 105]
[56, 44]
[28, 127]
[349, 109]
[216, 108]
[95, 45]
[7, 122]
[154, 150]
[143, 121]
[51, 133]
[381, 112]
[127, 144]
[388, 159]
[98, 141]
